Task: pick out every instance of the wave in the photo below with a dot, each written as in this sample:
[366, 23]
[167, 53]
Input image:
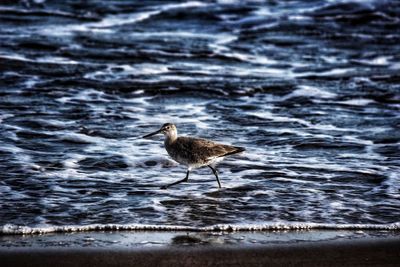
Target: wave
[10, 229]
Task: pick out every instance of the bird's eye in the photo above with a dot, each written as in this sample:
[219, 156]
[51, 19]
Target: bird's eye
[167, 127]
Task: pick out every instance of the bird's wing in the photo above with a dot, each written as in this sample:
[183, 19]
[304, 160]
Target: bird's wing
[203, 148]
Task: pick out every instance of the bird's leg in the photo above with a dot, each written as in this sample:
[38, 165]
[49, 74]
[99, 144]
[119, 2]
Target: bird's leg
[216, 174]
[177, 182]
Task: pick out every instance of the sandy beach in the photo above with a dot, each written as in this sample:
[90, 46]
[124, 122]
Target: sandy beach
[189, 251]
[333, 253]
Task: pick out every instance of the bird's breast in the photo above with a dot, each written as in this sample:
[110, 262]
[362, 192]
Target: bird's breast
[176, 155]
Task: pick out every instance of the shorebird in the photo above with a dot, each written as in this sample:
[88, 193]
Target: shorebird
[193, 152]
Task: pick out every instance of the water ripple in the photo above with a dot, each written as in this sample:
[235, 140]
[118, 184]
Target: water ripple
[310, 88]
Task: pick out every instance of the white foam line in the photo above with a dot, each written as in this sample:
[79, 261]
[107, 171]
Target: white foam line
[10, 229]
[264, 114]
[332, 72]
[356, 102]
[46, 60]
[221, 38]
[310, 91]
[116, 20]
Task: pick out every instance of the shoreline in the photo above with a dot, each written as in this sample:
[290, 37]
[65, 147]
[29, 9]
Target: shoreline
[10, 229]
[378, 252]
[306, 248]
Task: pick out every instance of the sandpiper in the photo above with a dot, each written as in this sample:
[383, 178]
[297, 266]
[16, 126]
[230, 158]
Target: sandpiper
[193, 152]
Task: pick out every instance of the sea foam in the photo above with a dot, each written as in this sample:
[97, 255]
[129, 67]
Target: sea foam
[10, 229]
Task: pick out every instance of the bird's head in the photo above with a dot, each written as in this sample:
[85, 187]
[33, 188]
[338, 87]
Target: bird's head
[168, 130]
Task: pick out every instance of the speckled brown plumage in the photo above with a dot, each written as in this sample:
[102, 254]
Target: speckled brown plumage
[193, 152]
[198, 152]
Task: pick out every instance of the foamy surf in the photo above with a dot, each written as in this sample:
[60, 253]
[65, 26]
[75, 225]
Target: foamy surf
[317, 114]
[10, 229]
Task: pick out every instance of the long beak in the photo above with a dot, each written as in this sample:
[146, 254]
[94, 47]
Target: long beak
[151, 134]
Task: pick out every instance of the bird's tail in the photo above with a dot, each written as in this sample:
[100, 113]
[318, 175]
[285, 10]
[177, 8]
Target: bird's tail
[236, 150]
[239, 149]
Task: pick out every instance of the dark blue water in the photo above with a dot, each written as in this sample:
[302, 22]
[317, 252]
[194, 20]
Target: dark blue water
[310, 88]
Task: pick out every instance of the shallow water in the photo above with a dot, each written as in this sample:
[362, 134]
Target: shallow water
[173, 239]
[311, 89]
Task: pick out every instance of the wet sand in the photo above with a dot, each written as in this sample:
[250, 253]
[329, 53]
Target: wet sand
[360, 252]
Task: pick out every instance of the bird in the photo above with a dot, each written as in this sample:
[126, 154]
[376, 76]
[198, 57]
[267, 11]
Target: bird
[193, 152]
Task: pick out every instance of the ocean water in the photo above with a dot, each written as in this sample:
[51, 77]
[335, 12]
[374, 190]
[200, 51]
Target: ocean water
[310, 88]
